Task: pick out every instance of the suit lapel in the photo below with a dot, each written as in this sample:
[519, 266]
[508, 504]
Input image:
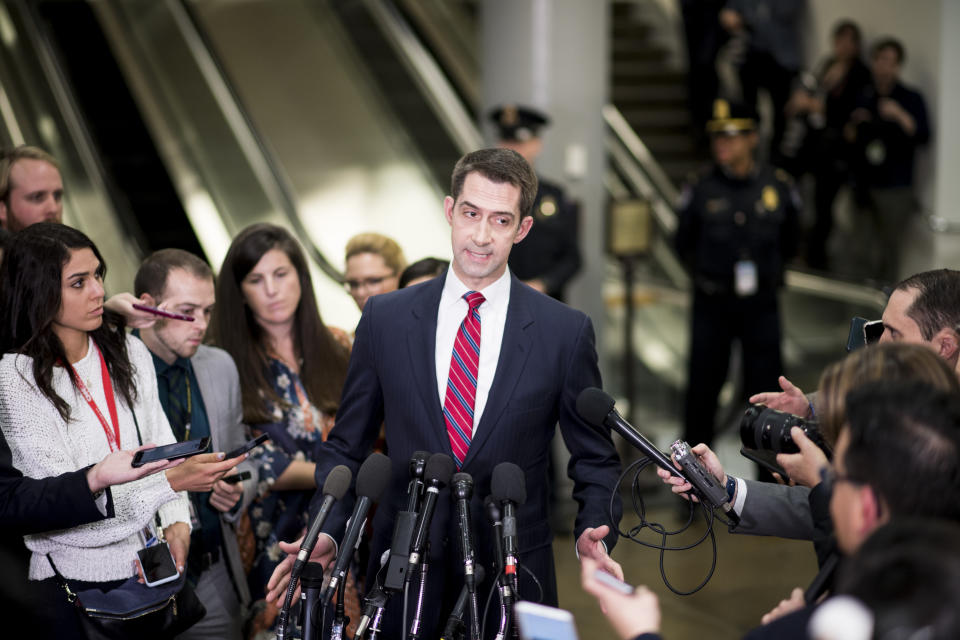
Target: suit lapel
[514, 351]
[211, 399]
[422, 342]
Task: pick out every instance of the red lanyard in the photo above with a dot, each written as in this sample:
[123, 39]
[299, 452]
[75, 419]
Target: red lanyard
[113, 439]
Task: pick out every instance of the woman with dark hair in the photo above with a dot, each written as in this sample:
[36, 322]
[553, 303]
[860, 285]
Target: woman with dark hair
[292, 368]
[74, 388]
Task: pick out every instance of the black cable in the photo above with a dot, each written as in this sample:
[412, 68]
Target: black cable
[486, 606]
[640, 508]
[406, 592]
[539, 599]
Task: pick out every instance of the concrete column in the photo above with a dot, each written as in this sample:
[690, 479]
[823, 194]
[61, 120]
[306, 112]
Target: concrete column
[947, 132]
[553, 55]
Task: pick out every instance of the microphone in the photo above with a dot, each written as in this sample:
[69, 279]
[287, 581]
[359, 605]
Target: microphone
[404, 524]
[456, 616]
[436, 474]
[372, 480]
[509, 487]
[597, 407]
[374, 602]
[461, 489]
[493, 517]
[334, 487]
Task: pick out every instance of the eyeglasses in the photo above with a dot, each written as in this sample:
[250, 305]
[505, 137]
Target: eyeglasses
[366, 283]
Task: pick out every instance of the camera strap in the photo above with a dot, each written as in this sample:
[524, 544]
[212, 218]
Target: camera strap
[113, 438]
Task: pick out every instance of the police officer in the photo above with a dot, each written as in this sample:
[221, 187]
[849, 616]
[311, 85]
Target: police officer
[738, 226]
[549, 256]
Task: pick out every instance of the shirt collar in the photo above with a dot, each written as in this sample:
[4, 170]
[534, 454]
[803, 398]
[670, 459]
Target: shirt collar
[160, 365]
[495, 295]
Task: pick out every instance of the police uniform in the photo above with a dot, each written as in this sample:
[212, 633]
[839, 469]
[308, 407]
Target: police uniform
[550, 251]
[735, 234]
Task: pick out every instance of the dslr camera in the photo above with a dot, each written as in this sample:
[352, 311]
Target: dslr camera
[767, 429]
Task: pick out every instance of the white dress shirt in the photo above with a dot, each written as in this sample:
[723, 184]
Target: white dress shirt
[493, 316]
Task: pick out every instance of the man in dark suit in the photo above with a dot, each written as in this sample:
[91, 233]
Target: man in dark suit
[535, 356]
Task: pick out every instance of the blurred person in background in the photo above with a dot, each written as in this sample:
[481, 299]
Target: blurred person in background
[422, 270]
[738, 227]
[549, 256]
[31, 189]
[888, 126]
[374, 263]
[292, 369]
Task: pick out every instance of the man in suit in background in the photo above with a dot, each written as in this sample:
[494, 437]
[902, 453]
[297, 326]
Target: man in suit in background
[535, 356]
[200, 392]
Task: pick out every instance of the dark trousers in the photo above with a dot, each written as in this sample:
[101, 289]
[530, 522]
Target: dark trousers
[716, 321]
[828, 185]
[760, 70]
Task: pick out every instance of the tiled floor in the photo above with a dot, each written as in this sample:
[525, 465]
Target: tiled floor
[753, 574]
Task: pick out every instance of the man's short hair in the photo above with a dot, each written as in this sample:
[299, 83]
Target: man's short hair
[907, 573]
[848, 26]
[937, 304]
[9, 157]
[498, 165]
[905, 444]
[888, 42]
[152, 275]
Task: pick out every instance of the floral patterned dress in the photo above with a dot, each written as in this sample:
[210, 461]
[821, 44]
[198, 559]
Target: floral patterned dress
[296, 433]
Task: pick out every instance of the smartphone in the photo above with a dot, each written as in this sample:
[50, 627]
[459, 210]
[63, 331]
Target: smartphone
[157, 565]
[767, 460]
[863, 332]
[540, 622]
[608, 580]
[171, 451]
[162, 313]
[237, 477]
[242, 449]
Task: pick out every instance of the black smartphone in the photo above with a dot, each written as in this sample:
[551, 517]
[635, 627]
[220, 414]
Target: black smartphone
[256, 442]
[863, 332]
[767, 460]
[237, 477]
[157, 565]
[171, 451]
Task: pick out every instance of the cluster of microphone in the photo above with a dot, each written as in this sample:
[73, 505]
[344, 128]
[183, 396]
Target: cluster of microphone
[406, 563]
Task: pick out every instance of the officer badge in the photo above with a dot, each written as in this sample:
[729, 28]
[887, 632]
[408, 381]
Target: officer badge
[548, 206]
[509, 116]
[770, 198]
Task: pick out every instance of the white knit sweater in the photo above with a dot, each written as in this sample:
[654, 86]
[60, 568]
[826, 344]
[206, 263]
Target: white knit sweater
[44, 445]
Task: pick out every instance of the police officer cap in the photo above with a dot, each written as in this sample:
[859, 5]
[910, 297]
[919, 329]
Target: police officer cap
[515, 122]
[732, 118]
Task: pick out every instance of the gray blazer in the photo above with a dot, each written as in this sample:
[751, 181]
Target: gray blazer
[219, 385]
[776, 510]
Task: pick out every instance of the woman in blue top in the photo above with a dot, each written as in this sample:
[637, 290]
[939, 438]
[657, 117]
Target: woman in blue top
[291, 368]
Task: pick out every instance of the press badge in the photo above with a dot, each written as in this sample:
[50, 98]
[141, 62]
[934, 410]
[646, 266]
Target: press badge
[745, 278]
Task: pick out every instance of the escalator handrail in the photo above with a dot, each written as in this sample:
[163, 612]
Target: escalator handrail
[258, 154]
[456, 119]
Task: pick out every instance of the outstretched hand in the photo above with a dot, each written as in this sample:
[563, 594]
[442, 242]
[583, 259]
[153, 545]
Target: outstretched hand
[791, 399]
[590, 546]
[323, 552]
[630, 615]
[708, 459]
[116, 468]
[804, 467]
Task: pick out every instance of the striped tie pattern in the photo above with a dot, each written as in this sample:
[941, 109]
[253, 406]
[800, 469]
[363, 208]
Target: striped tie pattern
[462, 382]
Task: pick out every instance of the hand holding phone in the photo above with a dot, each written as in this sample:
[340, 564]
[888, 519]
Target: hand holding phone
[249, 445]
[171, 451]
[156, 565]
[237, 477]
[540, 622]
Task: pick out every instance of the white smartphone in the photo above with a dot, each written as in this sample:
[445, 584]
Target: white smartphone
[609, 581]
[540, 622]
[157, 565]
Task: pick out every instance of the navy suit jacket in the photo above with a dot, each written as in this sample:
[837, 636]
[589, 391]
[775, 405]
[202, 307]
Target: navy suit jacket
[546, 359]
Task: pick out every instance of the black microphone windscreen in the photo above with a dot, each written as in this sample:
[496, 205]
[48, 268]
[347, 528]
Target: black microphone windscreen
[594, 405]
[337, 482]
[439, 467]
[509, 483]
[462, 486]
[374, 476]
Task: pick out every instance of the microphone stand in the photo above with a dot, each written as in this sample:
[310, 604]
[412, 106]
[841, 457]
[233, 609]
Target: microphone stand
[311, 580]
[340, 619]
[416, 625]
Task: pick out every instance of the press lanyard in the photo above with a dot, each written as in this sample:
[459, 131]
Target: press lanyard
[113, 438]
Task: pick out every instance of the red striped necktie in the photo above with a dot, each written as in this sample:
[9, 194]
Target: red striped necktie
[461, 393]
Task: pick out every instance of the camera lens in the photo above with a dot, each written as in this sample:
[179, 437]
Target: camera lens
[769, 429]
